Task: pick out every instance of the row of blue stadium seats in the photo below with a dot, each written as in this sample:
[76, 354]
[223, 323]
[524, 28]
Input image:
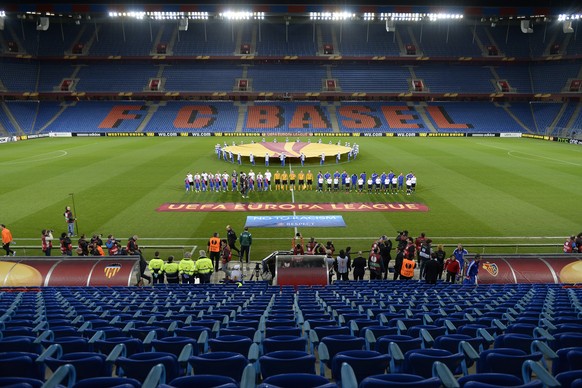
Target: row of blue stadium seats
[343, 295]
[28, 117]
[218, 38]
[470, 78]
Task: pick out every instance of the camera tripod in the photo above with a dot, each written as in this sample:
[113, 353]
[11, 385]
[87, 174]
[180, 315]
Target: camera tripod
[256, 272]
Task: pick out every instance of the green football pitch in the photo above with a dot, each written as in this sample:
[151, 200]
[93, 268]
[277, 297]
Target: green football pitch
[479, 191]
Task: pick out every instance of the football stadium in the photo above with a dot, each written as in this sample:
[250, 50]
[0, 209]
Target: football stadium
[371, 194]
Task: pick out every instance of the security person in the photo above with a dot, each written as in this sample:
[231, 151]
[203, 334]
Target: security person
[407, 270]
[203, 267]
[171, 271]
[187, 269]
[214, 249]
[157, 268]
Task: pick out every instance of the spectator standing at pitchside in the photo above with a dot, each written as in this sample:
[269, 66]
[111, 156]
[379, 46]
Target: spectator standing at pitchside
[70, 220]
[7, 240]
[459, 254]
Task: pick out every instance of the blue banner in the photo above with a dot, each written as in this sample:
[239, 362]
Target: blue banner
[295, 221]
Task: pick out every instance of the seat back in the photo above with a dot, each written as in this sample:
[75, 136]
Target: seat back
[397, 380]
[286, 361]
[363, 362]
[293, 380]
[87, 364]
[204, 381]
[231, 343]
[219, 363]
[420, 361]
[138, 365]
[284, 342]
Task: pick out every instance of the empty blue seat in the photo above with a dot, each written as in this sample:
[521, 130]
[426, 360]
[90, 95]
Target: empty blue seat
[283, 342]
[204, 381]
[363, 362]
[294, 380]
[286, 361]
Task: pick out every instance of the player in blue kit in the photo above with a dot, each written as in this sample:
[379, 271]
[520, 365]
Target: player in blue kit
[400, 182]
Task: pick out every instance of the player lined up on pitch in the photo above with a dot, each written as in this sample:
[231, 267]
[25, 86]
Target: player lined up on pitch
[387, 183]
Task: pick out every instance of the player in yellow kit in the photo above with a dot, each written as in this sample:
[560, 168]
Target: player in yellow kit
[292, 178]
[301, 178]
[309, 177]
[284, 180]
[277, 178]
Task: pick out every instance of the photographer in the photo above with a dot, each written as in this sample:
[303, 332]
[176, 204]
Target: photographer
[297, 240]
[66, 245]
[47, 241]
[112, 245]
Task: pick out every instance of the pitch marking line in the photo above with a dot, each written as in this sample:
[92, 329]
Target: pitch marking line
[533, 156]
[37, 158]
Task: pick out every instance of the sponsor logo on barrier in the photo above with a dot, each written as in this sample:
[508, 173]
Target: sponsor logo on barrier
[4, 140]
[305, 207]
[125, 134]
[111, 270]
[372, 134]
[491, 268]
[483, 134]
[90, 134]
[62, 134]
[407, 134]
[446, 134]
[294, 221]
[510, 134]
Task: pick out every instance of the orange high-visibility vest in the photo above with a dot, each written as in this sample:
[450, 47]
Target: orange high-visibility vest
[214, 244]
[407, 269]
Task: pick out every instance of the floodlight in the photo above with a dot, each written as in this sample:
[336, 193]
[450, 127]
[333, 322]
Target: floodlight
[242, 15]
[368, 16]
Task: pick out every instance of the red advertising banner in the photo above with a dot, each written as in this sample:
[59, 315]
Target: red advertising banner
[304, 207]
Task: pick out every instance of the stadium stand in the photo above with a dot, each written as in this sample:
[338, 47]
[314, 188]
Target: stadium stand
[497, 70]
[86, 314]
[294, 39]
[372, 78]
[297, 77]
[33, 117]
[443, 40]
[206, 38]
[213, 77]
[367, 40]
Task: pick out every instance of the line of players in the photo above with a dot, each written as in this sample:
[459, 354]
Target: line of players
[375, 183]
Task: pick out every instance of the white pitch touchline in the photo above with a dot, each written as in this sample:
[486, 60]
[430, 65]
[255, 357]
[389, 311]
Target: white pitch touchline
[511, 153]
[34, 159]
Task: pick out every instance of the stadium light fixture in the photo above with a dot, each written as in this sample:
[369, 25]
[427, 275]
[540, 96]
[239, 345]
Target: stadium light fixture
[2, 14]
[417, 17]
[369, 16]
[565, 17]
[242, 15]
[198, 15]
[131, 14]
[331, 15]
